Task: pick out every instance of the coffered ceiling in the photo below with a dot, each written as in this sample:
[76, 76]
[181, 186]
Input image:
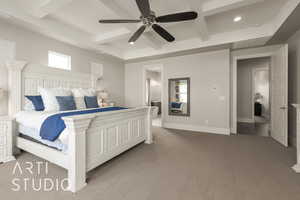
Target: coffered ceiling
[76, 22]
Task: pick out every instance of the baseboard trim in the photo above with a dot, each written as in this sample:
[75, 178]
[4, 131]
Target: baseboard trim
[245, 120]
[205, 129]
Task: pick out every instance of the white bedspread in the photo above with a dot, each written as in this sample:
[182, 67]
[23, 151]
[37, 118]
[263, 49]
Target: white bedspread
[33, 120]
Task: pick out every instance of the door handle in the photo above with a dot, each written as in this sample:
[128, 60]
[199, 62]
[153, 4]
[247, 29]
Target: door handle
[283, 107]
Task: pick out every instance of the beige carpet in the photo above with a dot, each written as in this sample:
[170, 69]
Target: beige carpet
[181, 165]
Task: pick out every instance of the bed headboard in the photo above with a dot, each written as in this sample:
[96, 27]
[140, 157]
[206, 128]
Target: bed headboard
[27, 81]
[52, 78]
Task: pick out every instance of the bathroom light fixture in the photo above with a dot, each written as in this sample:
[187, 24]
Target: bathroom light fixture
[237, 19]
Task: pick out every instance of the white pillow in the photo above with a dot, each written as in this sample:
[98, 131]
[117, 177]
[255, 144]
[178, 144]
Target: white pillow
[29, 106]
[49, 97]
[79, 95]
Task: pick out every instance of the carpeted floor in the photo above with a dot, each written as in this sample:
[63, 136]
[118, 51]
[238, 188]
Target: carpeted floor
[180, 165]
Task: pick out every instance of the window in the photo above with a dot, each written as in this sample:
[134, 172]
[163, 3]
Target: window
[58, 60]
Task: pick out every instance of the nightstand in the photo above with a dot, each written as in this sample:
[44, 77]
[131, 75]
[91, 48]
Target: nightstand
[6, 140]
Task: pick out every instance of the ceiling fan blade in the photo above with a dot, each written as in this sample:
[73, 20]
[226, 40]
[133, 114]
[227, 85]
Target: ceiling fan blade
[114, 21]
[163, 33]
[177, 17]
[144, 7]
[137, 34]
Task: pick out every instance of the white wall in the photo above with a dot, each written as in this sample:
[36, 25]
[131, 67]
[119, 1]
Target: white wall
[294, 82]
[33, 47]
[155, 85]
[245, 86]
[210, 81]
[7, 52]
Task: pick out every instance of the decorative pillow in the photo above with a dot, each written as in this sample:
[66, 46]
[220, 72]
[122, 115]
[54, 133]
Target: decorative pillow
[37, 102]
[49, 97]
[91, 102]
[79, 95]
[66, 103]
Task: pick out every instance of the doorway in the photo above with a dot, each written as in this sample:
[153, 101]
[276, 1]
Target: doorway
[278, 91]
[153, 92]
[253, 96]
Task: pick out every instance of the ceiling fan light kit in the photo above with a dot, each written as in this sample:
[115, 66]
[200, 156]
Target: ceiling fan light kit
[149, 19]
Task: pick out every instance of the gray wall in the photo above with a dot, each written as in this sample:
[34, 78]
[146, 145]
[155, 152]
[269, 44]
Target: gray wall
[294, 81]
[33, 47]
[245, 86]
[210, 81]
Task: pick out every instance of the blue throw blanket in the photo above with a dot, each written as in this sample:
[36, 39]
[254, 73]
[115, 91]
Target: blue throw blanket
[53, 126]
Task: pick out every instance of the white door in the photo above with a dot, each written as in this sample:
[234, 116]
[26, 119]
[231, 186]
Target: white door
[279, 95]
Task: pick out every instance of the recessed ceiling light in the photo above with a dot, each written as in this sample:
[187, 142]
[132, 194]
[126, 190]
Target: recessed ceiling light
[132, 43]
[237, 19]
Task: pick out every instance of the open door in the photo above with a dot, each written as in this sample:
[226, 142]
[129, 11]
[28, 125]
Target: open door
[279, 95]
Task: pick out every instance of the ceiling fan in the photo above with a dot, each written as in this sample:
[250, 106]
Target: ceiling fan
[149, 19]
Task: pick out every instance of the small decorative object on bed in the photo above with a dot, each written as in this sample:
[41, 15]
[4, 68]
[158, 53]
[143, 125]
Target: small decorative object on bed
[179, 96]
[102, 97]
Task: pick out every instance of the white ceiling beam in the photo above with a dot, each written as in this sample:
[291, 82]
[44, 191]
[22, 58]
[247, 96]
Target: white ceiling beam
[111, 36]
[122, 13]
[53, 29]
[216, 6]
[195, 43]
[200, 21]
[50, 6]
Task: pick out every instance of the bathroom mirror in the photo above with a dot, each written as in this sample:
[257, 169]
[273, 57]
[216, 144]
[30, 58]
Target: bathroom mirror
[179, 96]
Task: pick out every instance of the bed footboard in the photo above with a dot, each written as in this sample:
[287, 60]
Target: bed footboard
[97, 138]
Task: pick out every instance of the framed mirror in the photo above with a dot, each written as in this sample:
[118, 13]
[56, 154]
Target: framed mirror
[179, 96]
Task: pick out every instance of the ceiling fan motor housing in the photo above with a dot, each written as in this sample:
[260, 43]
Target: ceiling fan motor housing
[148, 20]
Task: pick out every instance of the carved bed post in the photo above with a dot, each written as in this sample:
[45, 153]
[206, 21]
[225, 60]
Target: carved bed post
[15, 86]
[77, 152]
[14, 95]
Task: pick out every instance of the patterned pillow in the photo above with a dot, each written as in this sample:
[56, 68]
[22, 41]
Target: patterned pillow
[66, 103]
[91, 102]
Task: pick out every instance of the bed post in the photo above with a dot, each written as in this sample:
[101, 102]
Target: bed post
[15, 68]
[77, 152]
[149, 138]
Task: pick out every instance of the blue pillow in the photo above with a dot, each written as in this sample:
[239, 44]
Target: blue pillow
[37, 102]
[91, 102]
[66, 103]
[175, 105]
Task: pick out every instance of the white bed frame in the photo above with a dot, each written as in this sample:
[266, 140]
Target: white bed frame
[94, 138]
